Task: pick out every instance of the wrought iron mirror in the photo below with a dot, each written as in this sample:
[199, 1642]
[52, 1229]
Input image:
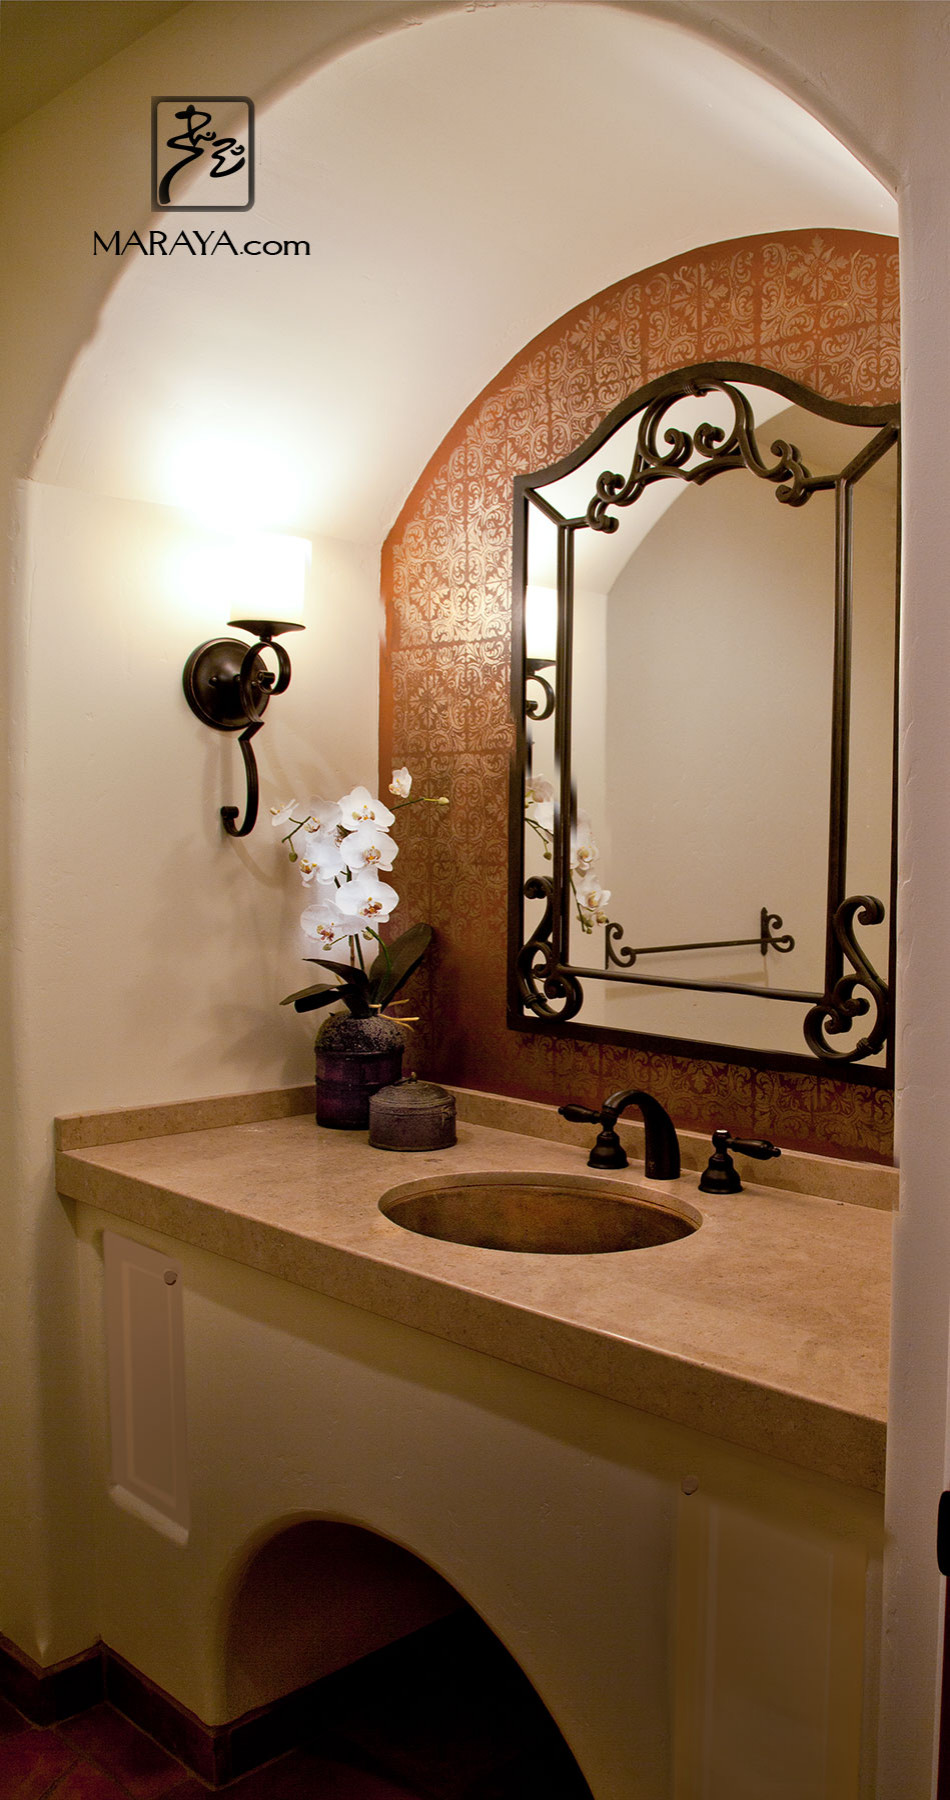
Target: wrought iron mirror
[705, 601]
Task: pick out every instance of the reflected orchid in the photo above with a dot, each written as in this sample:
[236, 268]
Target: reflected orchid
[584, 852]
[592, 901]
[590, 898]
[537, 791]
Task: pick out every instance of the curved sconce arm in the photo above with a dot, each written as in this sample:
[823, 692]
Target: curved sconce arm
[229, 813]
[539, 709]
[227, 684]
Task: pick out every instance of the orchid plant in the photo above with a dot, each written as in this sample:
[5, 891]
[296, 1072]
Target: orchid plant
[589, 897]
[341, 848]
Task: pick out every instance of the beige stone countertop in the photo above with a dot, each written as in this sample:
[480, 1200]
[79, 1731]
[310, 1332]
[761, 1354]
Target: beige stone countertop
[767, 1327]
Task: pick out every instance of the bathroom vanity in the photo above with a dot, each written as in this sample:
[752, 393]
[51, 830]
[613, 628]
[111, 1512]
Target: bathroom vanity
[656, 1473]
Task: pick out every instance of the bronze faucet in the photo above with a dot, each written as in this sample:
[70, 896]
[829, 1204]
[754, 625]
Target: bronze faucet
[720, 1175]
[662, 1145]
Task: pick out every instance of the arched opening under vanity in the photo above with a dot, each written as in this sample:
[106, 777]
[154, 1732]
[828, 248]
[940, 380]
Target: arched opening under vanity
[340, 1640]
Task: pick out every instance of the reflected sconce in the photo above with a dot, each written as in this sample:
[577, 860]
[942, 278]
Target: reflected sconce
[227, 683]
[540, 648]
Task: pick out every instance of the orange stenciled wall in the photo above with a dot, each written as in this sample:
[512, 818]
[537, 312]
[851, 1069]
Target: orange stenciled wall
[819, 305]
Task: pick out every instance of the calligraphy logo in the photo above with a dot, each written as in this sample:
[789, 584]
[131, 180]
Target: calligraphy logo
[202, 153]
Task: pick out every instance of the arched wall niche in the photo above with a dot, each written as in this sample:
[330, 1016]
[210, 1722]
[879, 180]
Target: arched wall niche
[821, 306]
[319, 1597]
[860, 106]
[312, 1595]
[322, 382]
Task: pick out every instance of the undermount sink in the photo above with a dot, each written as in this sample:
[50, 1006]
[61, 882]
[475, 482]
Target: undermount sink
[557, 1215]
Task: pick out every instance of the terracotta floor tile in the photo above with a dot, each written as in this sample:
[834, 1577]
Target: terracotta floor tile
[135, 1762]
[10, 1719]
[334, 1781]
[30, 1762]
[305, 1776]
[85, 1781]
[192, 1789]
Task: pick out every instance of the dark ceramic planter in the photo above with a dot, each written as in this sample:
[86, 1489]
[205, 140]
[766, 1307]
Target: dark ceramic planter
[355, 1058]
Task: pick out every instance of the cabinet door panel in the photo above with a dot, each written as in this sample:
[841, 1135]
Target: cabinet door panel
[769, 1663]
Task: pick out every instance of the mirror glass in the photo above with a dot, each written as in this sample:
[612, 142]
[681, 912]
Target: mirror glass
[706, 757]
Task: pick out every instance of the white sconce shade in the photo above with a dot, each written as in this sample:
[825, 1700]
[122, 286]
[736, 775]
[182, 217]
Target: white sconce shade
[540, 623]
[263, 579]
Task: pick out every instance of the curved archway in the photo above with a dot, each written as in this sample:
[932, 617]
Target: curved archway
[322, 383]
[232, 1043]
[311, 1595]
[183, 368]
[341, 1641]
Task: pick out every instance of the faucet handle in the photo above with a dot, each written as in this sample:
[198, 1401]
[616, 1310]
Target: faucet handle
[720, 1175]
[608, 1151]
[760, 1148]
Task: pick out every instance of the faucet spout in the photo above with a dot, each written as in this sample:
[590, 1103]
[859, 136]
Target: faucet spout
[662, 1151]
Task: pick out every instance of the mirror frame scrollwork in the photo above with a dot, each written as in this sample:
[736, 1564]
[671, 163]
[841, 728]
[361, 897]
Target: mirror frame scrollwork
[545, 991]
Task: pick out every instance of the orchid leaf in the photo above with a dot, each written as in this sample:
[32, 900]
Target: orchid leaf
[404, 955]
[309, 999]
[349, 974]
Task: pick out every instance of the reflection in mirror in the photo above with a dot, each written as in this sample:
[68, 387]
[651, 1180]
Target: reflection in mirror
[708, 599]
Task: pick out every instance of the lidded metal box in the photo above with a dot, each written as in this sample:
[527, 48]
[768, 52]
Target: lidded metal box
[412, 1115]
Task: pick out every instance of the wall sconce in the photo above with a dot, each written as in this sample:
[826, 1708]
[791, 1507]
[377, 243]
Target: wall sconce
[226, 681]
[540, 630]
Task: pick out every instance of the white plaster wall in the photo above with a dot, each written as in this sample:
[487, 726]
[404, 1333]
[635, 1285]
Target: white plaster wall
[155, 950]
[396, 165]
[918, 1467]
[151, 952]
[52, 199]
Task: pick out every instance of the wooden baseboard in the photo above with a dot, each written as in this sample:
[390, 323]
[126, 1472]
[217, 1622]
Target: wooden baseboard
[47, 1695]
[217, 1754]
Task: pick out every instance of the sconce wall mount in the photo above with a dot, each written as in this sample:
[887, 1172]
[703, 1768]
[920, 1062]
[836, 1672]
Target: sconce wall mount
[227, 684]
[260, 578]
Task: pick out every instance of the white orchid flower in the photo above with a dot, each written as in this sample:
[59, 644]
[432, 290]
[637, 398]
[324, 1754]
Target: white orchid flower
[537, 791]
[320, 815]
[282, 815]
[401, 783]
[367, 848]
[359, 807]
[324, 922]
[319, 857]
[584, 851]
[543, 815]
[368, 899]
[592, 901]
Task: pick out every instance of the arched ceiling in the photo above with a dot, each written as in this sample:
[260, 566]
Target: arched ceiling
[462, 183]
